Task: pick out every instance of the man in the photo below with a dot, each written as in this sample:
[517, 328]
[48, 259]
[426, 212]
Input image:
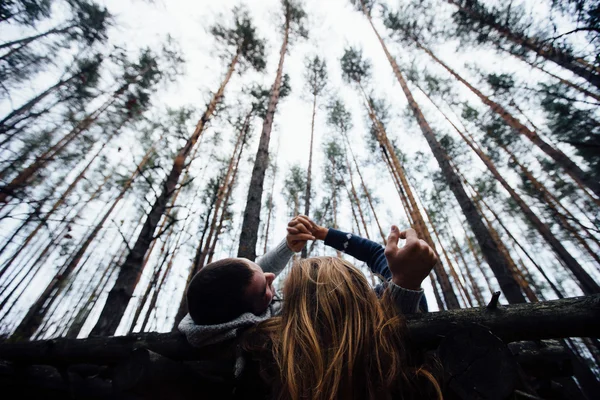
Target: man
[232, 294]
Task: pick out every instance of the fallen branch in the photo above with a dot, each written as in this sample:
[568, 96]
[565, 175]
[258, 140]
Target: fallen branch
[574, 317]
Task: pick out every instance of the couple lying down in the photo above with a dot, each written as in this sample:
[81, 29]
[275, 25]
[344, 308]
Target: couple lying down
[332, 336]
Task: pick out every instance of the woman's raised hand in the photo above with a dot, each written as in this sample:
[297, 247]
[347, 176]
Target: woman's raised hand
[411, 263]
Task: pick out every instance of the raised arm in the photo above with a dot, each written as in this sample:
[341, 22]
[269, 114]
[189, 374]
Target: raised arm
[360, 248]
[275, 260]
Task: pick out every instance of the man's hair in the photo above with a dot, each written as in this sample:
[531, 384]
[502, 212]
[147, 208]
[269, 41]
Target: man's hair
[217, 293]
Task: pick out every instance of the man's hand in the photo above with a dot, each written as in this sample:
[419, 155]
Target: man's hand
[299, 232]
[303, 224]
[411, 263]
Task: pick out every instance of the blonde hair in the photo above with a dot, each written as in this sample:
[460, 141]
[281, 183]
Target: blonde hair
[336, 339]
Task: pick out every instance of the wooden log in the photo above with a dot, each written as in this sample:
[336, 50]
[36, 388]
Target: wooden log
[574, 317]
[543, 359]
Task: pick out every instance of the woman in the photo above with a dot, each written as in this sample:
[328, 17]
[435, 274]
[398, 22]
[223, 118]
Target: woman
[335, 339]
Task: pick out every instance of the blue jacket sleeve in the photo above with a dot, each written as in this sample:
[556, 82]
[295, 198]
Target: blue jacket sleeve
[373, 254]
[360, 248]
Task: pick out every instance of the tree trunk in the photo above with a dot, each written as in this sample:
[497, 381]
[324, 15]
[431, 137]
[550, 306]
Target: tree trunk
[31, 103]
[492, 253]
[36, 313]
[55, 206]
[222, 193]
[309, 170]
[356, 198]
[251, 221]
[25, 175]
[85, 311]
[270, 210]
[120, 294]
[553, 204]
[583, 178]
[577, 66]
[25, 41]
[411, 205]
[561, 80]
[227, 197]
[539, 321]
[41, 259]
[366, 190]
[587, 283]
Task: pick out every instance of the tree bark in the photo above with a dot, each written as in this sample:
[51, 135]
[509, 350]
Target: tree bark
[534, 321]
[251, 221]
[582, 177]
[120, 294]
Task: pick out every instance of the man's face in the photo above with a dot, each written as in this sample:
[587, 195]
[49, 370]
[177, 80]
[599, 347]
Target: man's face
[260, 290]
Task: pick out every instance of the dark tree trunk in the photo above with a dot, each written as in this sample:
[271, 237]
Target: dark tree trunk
[490, 250]
[251, 222]
[120, 294]
[587, 283]
[583, 178]
[546, 50]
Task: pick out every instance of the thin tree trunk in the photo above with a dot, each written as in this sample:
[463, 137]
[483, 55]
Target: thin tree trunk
[354, 217]
[270, 208]
[355, 196]
[411, 206]
[227, 197]
[251, 221]
[561, 80]
[552, 202]
[130, 271]
[55, 206]
[576, 65]
[366, 190]
[309, 170]
[587, 283]
[41, 258]
[31, 103]
[112, 268]
[222, 192]
[38, 310]
[25, 176]
[27, 40]
[584, 178]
